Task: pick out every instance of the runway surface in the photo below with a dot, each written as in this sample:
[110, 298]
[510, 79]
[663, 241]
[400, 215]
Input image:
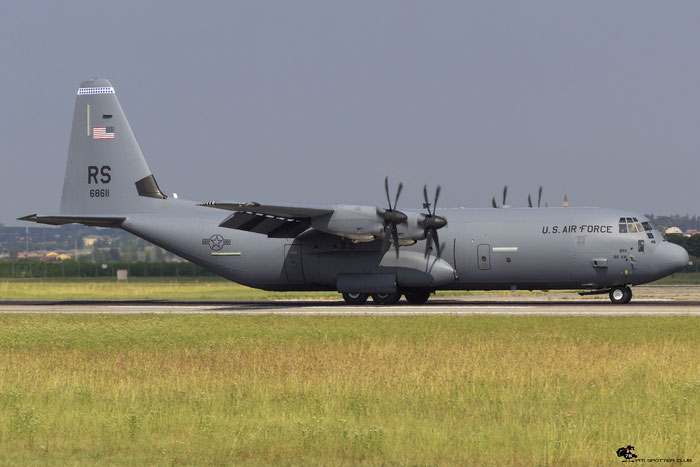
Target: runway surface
[459, 307]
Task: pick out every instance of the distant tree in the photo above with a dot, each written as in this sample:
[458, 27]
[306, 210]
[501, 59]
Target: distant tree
[678, 239]
[114, 254]
[692, 244]
[13, 251]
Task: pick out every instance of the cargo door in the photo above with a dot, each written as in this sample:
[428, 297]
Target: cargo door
[484, 256]
[292, 263]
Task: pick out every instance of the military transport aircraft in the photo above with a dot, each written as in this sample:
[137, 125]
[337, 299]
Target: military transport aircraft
[360, 251]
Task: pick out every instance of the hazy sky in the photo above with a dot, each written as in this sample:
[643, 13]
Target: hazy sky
[315, 102]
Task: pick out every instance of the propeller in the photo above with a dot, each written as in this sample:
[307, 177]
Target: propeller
[539, 198]
[392, 218]
[431, 222]
[505, 195]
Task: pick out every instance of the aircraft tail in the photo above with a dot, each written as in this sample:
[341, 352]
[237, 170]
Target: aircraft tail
[106, 172]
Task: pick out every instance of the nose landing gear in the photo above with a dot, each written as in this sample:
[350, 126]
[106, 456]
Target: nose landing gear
[620, 294]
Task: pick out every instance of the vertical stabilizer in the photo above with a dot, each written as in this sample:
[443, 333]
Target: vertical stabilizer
[106, 172]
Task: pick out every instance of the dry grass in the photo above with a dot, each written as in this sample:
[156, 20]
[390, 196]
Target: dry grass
[341, 390]
[205, 288]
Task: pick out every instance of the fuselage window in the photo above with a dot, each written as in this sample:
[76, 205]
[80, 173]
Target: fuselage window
[650, 235]
[631, 228]
[629, 220]
[639, 227]
[623, 228]
[647, 226]
[640, 246]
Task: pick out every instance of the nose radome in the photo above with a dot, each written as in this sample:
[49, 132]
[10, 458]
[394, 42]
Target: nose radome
[681, 258]
[671, 257]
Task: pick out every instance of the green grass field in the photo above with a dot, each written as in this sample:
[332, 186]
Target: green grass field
[190, 390]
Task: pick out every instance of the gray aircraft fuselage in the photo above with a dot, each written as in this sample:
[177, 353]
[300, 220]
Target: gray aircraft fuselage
[505, 248]
[349, 248]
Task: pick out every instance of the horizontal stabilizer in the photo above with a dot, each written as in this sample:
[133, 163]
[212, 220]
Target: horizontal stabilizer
[92, 221]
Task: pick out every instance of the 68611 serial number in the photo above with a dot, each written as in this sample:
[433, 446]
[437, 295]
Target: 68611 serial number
[99, 193]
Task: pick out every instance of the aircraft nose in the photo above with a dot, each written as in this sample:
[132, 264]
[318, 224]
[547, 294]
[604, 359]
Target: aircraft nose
[671, 258]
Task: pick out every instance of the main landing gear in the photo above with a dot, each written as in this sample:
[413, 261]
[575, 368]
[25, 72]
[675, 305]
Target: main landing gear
[386, 298]
[620, 294]
[415, 297]
[355, 298]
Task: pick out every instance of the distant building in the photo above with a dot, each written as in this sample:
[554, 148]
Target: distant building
[30, 255]
[90, 240]
[54, 256]
[673, 230]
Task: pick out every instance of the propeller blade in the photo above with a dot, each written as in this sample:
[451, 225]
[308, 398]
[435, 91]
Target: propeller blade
[437, 241]
[493, 202]
[398, 192]
[385, 240]
[529, 201]
[437, 195]
[426, 204]
[395, 236]
[428, 241]
[539, 196]
[386, 188]
[505, 194]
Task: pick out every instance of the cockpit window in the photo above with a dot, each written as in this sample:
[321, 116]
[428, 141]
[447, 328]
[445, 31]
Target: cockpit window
[632, 225]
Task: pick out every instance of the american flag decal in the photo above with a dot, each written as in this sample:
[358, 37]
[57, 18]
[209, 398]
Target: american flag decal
[103, 132]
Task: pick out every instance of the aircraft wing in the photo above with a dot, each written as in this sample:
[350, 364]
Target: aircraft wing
[292, 211]
[275, 221]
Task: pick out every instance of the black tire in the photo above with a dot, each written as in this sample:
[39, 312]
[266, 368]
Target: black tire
[629, 295]
[352, 298]
[620, 295]
[417, 297]
[386, 298]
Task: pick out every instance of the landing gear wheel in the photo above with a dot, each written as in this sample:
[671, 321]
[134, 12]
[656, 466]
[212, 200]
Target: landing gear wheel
[355, 298]
[386, 298]
[418, 297]
[620, 295]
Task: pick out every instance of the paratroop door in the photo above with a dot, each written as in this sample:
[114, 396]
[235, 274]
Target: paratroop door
[292, 263]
